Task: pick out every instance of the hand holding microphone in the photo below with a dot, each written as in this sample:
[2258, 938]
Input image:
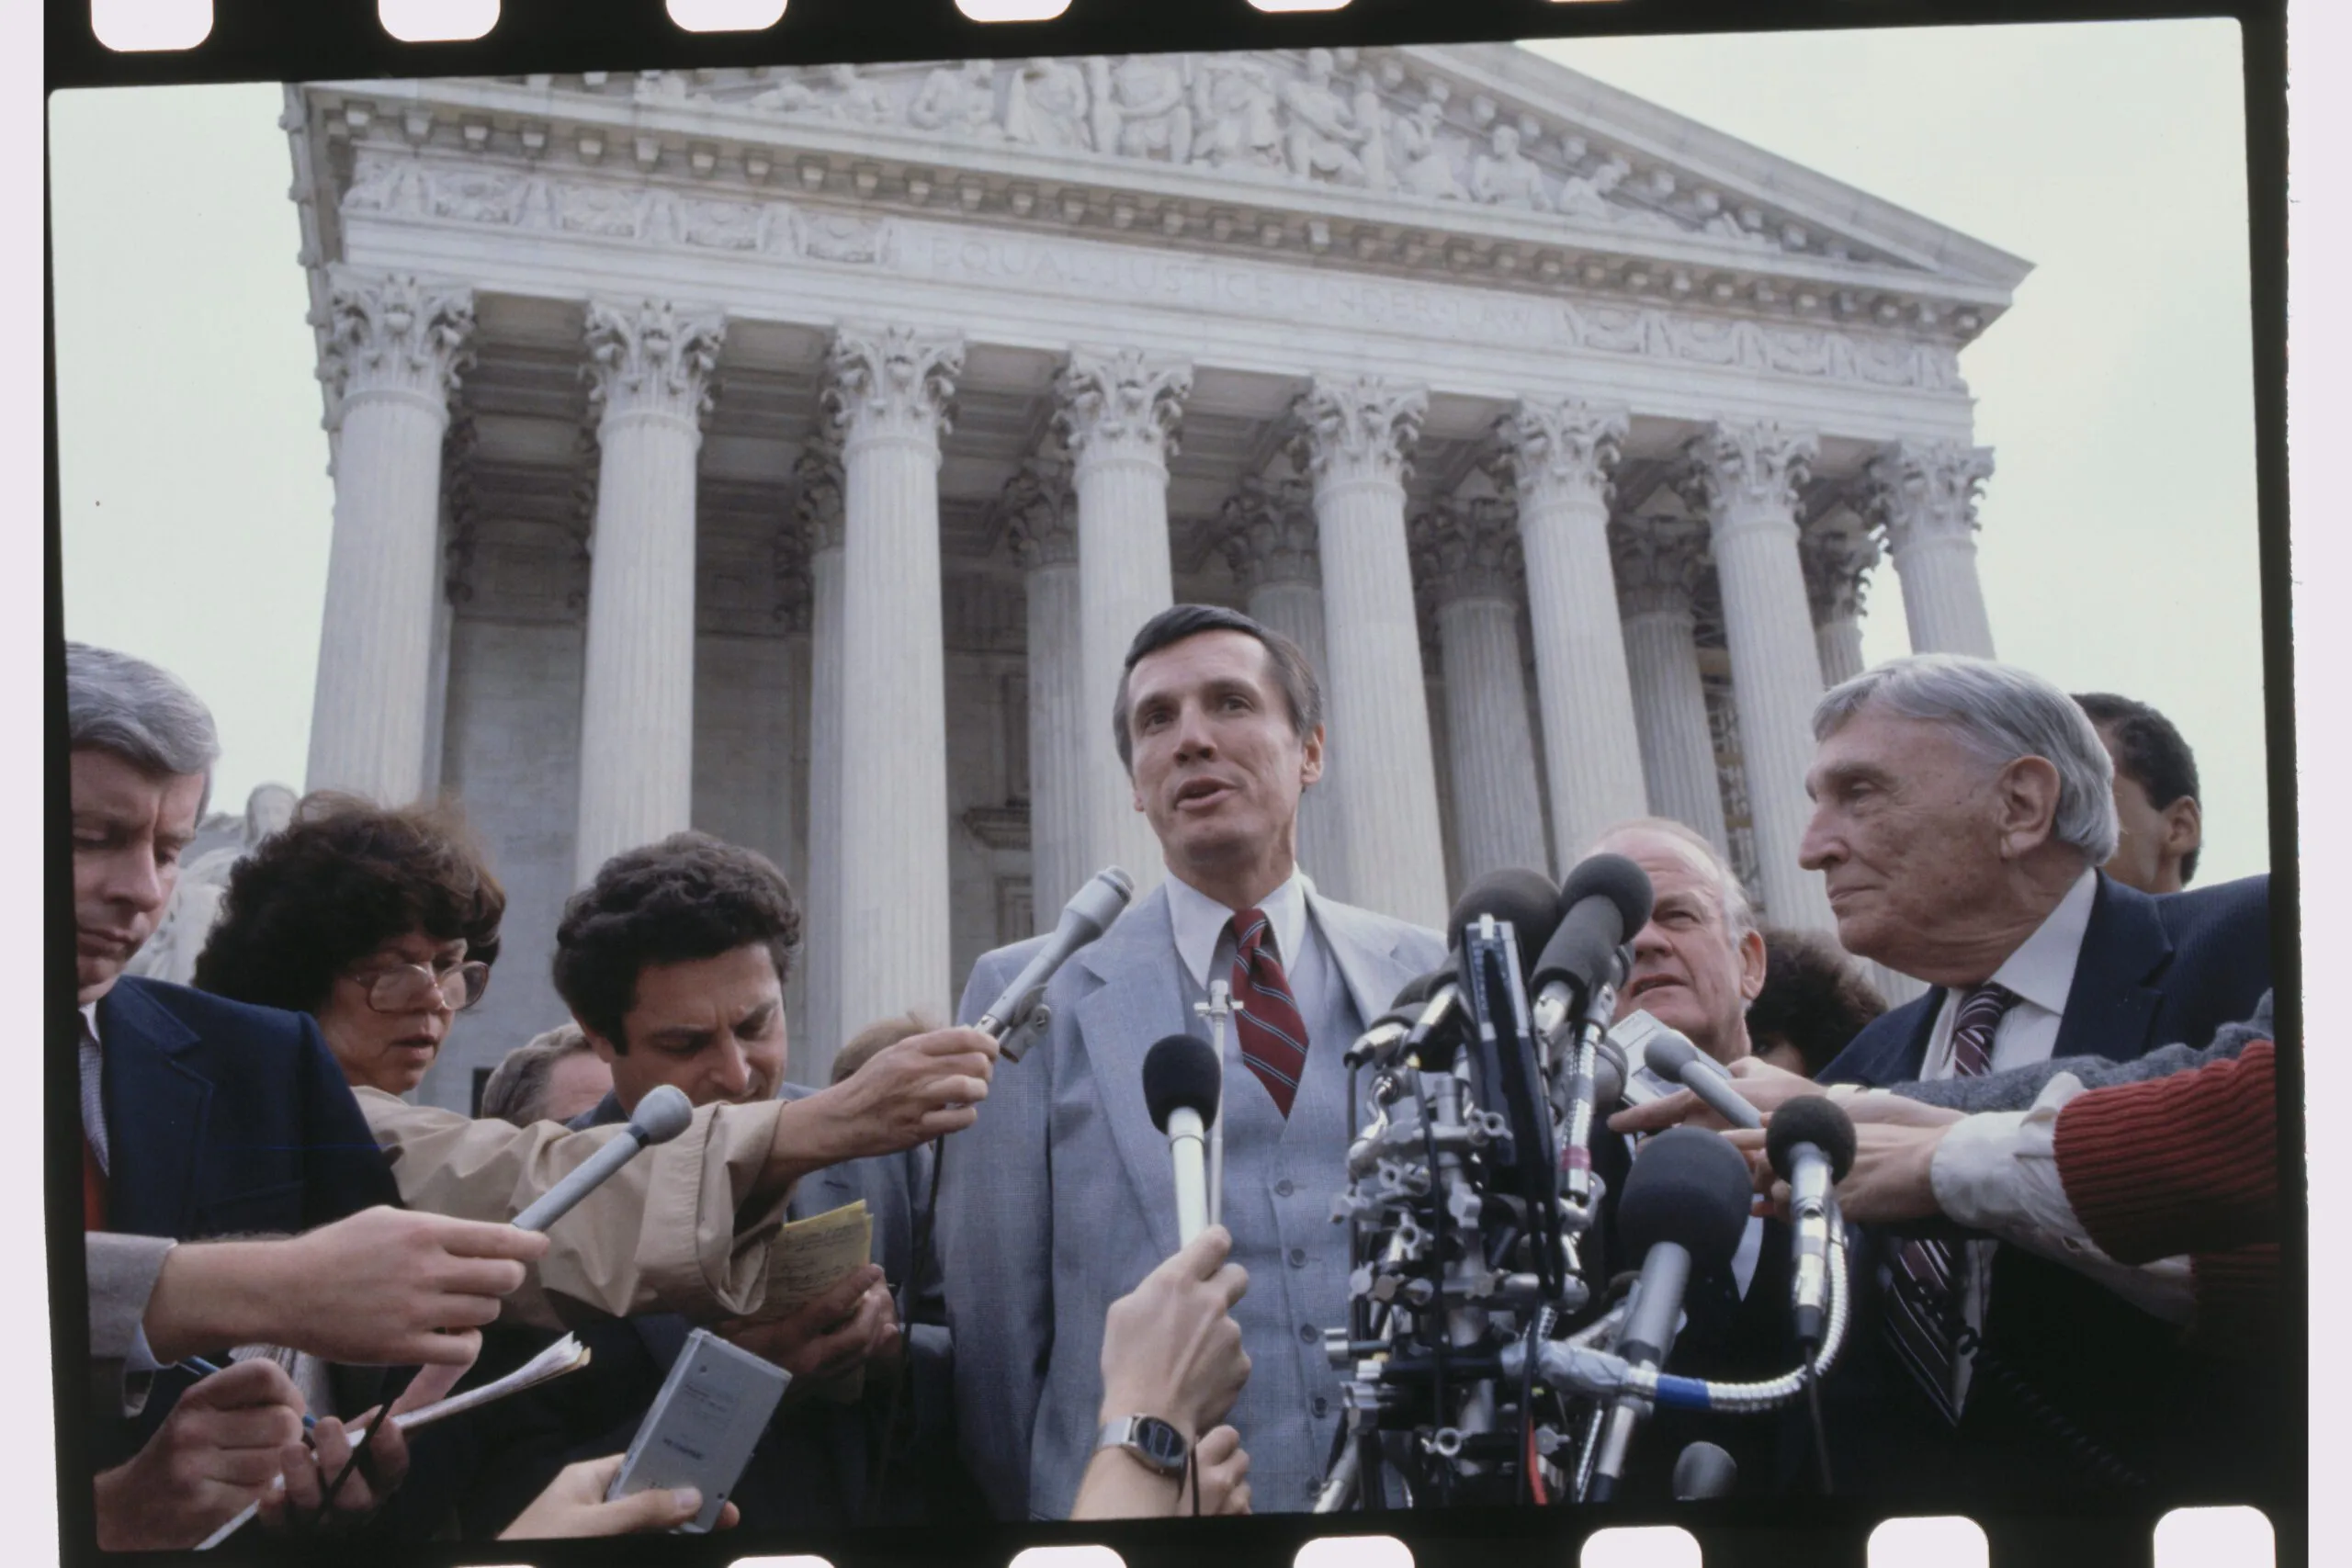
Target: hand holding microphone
[1091, 912]
[1182, 1082]
[1812, 1145]
[1674, 1058]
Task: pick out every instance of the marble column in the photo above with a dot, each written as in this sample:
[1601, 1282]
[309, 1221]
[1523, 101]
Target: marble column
[1838, 563]
[1355, 434]
[1658, 561]
[818, 509]
[1268, 539]
[1041, 527]
[1118, 416]
[890, 395]
[1744, 479]
[395, 349]
[652, 367]
[1469, 558]
[1558, 458]
[1923, 494]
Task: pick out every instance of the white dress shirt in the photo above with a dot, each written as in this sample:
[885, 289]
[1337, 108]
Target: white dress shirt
[1205, 944]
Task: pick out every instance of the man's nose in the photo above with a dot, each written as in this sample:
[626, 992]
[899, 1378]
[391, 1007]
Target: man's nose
[1819, 845]
[133, 877]
[734, 1071]
[1649, 940]
[1194, 738]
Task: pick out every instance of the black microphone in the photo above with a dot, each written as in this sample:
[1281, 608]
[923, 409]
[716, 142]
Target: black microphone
[1704, 1471]
[1523, 900]
[1811, 1144]
[1604, 901]
[1683, 1212]
[1181, 1080]
[1388, 1034]
[1673, 1058]
[1090, 913]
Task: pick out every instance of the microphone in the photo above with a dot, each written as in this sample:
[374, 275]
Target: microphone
[1388, 1032]
[1704, 1471]
[1811, 1144]
[1683, 1212]
[1088, 915]
[660, 1116]
[1181, 1078]
[1604, 901]
[1675, 1058]
[1522, 898]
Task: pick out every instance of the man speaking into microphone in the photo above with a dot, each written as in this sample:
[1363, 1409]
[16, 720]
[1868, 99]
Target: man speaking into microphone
[1061, 1197]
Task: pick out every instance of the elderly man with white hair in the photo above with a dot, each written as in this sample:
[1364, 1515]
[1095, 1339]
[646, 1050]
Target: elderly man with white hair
[1963, 809]
[1699, 961]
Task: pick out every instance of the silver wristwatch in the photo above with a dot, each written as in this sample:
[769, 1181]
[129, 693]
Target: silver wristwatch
[1153, 1442]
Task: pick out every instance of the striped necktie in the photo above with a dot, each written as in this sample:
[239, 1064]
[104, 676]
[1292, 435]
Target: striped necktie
[1923, 1311]
[1272, 1034]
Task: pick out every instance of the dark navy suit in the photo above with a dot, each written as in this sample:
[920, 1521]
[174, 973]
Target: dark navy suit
[225, 1119]
[2068, 1366]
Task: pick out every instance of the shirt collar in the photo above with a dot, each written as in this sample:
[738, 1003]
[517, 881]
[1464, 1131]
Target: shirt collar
[90, 1020]
[2041, 970]
[1200, 920]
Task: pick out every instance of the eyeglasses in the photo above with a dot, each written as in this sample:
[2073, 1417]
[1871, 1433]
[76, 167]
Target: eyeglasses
[413, 986]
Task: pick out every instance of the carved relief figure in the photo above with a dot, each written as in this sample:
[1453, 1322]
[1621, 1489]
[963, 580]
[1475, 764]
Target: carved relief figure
[1323, 136]
[1423, 166]
[659, 87]
[1238, 108]
[386, 185]
[838, 93]
[1139, 107]
[1372, 123]
[1506, 177]
[1586, 196]
[1048, 106]
[958, 99]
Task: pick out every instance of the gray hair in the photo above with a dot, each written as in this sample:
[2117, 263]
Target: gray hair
[517, 1091]
[142, 714]
[1739, 911]
[1999, 712]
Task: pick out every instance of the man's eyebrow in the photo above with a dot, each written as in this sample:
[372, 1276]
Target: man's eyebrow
[681, 1034]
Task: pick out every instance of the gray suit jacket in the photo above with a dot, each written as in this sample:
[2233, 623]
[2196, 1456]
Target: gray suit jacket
[1060, 1198]
[2017, 1088]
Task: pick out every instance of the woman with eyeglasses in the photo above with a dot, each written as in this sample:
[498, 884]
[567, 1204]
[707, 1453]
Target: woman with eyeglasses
[380, 923]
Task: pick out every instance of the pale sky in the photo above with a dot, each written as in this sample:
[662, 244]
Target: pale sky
[2118, 550]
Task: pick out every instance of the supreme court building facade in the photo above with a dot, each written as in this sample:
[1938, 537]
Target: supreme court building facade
[791, 453]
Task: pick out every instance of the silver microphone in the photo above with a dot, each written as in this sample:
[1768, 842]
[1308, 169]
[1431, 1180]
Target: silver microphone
[660, 1116]
[1088, 915]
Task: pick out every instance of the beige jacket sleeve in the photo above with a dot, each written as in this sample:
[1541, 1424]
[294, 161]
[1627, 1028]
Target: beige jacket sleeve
[667, 1233]
[123, 1270]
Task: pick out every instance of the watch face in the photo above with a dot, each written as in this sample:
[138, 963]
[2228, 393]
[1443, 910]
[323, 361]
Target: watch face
[1160, 1442]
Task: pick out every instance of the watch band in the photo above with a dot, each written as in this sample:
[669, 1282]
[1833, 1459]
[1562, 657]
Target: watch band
[1155, 1444]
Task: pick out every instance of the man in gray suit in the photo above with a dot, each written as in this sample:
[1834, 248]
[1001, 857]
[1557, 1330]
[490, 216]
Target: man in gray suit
[1060, 1198]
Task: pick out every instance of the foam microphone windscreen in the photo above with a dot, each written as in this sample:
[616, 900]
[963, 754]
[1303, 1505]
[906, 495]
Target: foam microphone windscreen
[1524, 898]
[1687, 1187]
[1181, 1073]
[662, 1114]
[1625, 885]
[1809, 1119]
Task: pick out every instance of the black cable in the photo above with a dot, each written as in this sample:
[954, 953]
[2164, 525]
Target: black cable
[1812, 1402]
[922, 1234]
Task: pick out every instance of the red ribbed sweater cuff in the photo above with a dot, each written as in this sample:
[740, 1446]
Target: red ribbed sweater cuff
[2188, 1162]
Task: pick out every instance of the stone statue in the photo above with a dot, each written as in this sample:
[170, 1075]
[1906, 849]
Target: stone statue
[960, 100]
[1321, 135]
[170, 953]
[1238, 110]
[1586, 196]
[1372, 121]
[659, 87]
[1140, 109]
[840, 93]
[1048, 106]
[1424, 167]
[1504, 175]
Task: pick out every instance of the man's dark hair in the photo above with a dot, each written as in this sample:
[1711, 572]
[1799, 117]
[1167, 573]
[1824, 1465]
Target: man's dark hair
[1813, 996]
[342, 879]
[1292, 672]
[689, 896]
[2149, 752]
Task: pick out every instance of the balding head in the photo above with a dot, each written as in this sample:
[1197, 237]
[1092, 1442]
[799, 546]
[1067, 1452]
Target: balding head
[1700, 960]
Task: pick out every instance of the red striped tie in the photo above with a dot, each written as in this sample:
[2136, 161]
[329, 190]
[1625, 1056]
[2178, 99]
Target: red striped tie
[1272, 1035]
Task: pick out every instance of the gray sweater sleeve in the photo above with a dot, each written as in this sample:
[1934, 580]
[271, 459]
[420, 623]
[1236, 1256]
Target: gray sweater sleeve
[2021, 1086]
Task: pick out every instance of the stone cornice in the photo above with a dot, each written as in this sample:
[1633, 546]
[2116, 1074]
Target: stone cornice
[1651, 234]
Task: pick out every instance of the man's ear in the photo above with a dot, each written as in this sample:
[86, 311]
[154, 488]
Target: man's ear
[1312, 769]
[2026, 805]
[2184, 827]
[1752, 965]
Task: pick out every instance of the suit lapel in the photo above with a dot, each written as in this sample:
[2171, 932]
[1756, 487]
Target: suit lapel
[156, 1107]
[2111, 1009]
[1365, 954]
[1136, 1002]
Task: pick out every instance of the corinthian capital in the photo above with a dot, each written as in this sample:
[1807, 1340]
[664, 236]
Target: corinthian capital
[1659, 561]
[1359, 427]
[396, 336]
[1040, 512]
[1837, 562]
[818, 507]
[885, 381]
[1120, 402]
[1266, 531]
[1734, 470]
[1573, 446]
[1925, 490]
[652, 359]
[1468, 550]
